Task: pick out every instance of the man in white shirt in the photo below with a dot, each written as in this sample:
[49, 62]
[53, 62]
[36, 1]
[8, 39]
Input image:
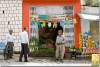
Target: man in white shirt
[10, 43]
[24, 40]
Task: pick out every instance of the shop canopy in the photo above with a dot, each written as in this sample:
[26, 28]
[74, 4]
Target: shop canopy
[89, 17]
[46, 2]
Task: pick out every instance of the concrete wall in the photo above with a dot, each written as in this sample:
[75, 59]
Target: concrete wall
[11, 18]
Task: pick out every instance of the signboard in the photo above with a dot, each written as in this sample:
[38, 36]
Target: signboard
[95, 59]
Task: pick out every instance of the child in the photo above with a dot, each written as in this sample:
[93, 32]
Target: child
[60, 46]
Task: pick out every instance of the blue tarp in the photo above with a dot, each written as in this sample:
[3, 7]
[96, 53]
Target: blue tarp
[62, 23]
[2, 45]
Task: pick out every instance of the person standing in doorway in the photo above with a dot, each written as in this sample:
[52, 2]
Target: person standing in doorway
[10, 43]
[24, 40]
[55, 31]
[60, 46]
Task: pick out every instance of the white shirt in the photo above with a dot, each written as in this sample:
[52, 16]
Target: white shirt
[10, 38]
[60, 39]
[24, 37]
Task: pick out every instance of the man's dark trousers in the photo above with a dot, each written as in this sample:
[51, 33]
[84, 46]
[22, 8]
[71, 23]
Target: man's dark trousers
[24, 51]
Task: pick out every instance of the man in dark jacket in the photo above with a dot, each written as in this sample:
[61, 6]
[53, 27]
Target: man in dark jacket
[55, 31]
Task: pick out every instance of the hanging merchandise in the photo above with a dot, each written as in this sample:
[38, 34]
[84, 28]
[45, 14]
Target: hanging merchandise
[33, 30]
[66, 18]
[36, 30]
[68, 23]
[34, 17]
[54, 25]
[32, 22]
[34, 26]
[43, 17]
[69, 32]
[89, 33]
[43, 24]
[36, 23]
[89, 42]
[85, 44]
[80, 42]
[49, 24]
[71, 17]
[85, 34]
[39, 24]
[62, 23]
[46, 21]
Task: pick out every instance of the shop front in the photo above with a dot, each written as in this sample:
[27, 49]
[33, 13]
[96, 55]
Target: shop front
[89, 36]
[43, 22]
[40, 18]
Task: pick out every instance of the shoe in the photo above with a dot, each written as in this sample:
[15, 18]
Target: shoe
[57, 60]
[61, 60]
[20, 60]
[26, 61]
[11, 57]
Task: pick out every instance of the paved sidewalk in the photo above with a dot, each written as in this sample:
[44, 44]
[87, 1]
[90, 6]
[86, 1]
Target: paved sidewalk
[42, 60]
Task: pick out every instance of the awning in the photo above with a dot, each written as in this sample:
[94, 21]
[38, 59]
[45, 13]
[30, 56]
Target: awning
[89, 17]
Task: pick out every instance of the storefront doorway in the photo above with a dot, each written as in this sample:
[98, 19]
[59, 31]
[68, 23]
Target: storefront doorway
[43, 20]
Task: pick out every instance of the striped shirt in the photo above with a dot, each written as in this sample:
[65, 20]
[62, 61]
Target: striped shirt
[60, 40]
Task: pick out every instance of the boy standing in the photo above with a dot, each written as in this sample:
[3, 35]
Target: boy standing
[60, 46]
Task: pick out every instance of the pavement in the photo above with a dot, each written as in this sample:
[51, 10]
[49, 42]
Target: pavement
[39, 60]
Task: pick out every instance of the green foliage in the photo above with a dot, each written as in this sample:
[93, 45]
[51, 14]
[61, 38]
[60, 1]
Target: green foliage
[38, 50]
[43, 52]
[49, 41]
[33, 45]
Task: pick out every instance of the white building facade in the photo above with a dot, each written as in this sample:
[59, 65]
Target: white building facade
[11, 18]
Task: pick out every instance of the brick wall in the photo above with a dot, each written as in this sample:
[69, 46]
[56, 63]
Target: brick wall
[11, 18]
